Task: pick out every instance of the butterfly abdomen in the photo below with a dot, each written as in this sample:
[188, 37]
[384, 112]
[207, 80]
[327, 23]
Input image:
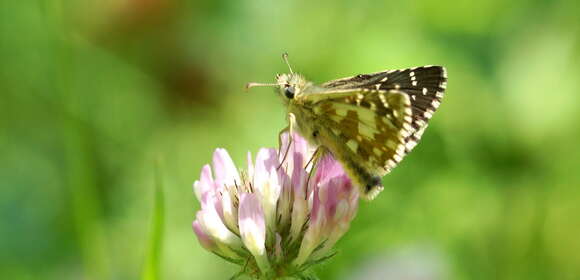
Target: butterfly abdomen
[369, 185]
[353, 159]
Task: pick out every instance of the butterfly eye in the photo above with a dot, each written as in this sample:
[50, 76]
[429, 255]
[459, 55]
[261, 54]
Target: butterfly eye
[289, 92]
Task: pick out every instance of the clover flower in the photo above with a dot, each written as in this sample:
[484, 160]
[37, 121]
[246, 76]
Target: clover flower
[274, 220]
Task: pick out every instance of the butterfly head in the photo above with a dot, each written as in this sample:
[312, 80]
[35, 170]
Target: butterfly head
[290, 85]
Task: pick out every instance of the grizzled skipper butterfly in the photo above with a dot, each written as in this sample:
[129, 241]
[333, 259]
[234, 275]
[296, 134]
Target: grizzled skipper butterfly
[368, 122]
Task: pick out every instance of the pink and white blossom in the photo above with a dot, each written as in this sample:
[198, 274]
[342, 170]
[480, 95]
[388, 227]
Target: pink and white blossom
[284, 217]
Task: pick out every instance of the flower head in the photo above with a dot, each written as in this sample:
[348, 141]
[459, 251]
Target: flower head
[274, 219]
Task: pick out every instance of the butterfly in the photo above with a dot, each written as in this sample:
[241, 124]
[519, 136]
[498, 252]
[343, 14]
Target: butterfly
[368, 122]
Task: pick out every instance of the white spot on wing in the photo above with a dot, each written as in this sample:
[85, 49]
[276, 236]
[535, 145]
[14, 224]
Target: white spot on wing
[400, 150]
[383, 99]
[419, 133]
[435, 104]
[411, 144]
[397, 158]
[420, 123]
[390, 164]
[408, 127]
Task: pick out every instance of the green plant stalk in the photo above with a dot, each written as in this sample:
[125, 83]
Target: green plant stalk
[151, 268]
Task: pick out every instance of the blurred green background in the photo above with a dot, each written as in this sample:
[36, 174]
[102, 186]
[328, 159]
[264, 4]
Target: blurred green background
[94, 93]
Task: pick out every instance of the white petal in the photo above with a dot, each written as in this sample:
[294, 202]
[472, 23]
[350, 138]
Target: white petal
[205, 183]
[213, 225]
[230, 212]
[252, 224]
[225, 171]
[250, 166]
[266, 183]
[204, 239]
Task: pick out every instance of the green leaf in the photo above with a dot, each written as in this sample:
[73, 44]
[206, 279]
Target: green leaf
[153, 257]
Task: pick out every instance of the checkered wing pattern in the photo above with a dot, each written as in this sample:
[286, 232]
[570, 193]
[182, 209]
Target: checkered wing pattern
[371, 124]
[424, 85]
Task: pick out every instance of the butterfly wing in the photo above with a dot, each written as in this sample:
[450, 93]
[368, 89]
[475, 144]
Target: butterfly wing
[364, 129]
[425, 86]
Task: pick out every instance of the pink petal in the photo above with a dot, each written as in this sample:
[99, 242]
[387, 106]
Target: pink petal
[266, 159]
[226, 172]
[229, 211]
[328, 168]
[316, 214]
[339, 198]
[252, 224]
[315, 232]
[298, 172]
[283, 144]
[250, 165]
[335, 191]
[205, 183]
[286, 198]
[212, 223]
[301, 146]
[267, 182]
[203, 238]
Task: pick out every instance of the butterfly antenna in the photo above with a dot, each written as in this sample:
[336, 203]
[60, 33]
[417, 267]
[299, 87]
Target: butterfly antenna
[285, 57]
[251, 85]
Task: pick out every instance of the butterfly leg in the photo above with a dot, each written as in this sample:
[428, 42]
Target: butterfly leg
[290, 130]
[285, 130]
[320, 152]
[314, 159]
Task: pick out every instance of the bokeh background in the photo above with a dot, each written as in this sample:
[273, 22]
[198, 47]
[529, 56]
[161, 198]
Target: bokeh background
[95, 94]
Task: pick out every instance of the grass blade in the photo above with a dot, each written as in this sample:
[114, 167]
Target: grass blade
[151, 269]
